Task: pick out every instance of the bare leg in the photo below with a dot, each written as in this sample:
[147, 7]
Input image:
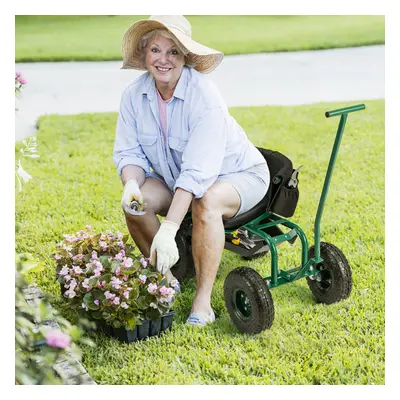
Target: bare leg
[208, 238]
[144, 227]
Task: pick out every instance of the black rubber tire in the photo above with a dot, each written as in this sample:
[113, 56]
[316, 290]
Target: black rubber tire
[336, 275]
[255, 314]
[184, 268]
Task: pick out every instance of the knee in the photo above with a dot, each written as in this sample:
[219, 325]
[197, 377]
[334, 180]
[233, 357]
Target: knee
[207, 207]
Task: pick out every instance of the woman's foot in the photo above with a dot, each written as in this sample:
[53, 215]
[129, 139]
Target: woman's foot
[200, 319]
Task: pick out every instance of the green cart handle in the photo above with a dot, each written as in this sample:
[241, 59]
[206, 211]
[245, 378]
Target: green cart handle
[341, 111]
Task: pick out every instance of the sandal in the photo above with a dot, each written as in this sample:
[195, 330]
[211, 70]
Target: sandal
[200, 320]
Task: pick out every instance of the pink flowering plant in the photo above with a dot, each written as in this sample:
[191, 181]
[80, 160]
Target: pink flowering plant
[20, 82]
[102, 278]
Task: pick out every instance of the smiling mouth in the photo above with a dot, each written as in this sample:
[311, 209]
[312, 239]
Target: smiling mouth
[163, 69]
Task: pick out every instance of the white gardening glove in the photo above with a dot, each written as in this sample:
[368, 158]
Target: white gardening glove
[164, 248]
[131, 192]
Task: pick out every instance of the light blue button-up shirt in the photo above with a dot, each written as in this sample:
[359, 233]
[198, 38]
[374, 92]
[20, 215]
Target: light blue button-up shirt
[203, 139]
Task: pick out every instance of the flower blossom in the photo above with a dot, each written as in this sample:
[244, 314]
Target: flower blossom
[97, 273]
[119, 257]
[167, 293]
[56, 338]
[126, 294]
[94, 255]
[143, 278]
[143, 261]
[101, 284]
[97, 302]
[115, 283]
[118, 272]
[64, 271]
[124, 305]
[78, 257]
[73, 284]
[57, 257]
[88, 227]
[70, 293]
[116, 300]
[103, 245]
[125, 278]
[108, 295]
[128, 262]
[77, 270]
[85, 283]
[152, 288]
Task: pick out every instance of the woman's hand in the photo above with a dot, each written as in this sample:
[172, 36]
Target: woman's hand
[164, 250]
[131, 193]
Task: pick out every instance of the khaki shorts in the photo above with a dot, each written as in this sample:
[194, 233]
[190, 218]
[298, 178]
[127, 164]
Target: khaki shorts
[251, 185]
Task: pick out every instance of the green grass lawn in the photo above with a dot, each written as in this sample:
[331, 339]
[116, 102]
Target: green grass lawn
[67, 38]
[75, 184]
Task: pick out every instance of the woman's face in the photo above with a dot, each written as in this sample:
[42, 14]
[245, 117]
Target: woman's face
[163, 60]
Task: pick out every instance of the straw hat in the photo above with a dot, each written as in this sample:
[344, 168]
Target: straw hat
[204, 58]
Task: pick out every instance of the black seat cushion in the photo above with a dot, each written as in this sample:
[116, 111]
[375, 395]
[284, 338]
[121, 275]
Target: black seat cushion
[280, 169]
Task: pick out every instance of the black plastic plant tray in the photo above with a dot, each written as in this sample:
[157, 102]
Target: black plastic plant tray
[147, 329]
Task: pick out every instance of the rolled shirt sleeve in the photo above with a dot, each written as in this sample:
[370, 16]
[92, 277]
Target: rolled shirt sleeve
[204, 153]
[127, 150]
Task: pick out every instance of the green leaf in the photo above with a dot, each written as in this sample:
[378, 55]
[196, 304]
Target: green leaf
[153, 313]
[125, 238]
[97, 314]
[115, 265]
[89, 299]
[106, 277]
[104, 260]
[130, 321]
[93, 281]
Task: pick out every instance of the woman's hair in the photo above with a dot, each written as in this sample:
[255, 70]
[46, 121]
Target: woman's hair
[162, 32]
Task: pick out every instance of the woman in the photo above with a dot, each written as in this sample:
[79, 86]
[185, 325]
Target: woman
[177, 147]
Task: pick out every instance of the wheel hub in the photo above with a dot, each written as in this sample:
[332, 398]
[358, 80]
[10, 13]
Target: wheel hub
[325, 278]
[242, 303]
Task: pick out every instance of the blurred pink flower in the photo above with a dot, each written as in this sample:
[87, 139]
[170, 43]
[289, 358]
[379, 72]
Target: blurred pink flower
[164, 291]
[108, 295]
[97, 302]
[116, 300]
[56, 338]
[77, 270]
[115, 283]
[128, 262]
[64, 271]
[85, 283]
[143, 261]
[152, 288]
[143, 278]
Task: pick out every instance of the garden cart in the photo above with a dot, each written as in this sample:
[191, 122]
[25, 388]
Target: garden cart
[258, 231]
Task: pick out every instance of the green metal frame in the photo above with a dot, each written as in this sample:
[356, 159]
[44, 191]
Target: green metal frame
[308, 267]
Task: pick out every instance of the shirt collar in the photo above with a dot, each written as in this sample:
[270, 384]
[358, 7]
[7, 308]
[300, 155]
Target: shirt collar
[149, 87]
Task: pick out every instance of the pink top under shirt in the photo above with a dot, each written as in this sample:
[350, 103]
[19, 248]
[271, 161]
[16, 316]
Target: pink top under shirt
[162, 107]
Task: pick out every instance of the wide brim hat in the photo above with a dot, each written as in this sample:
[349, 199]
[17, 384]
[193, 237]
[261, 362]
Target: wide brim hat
[202, 57]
